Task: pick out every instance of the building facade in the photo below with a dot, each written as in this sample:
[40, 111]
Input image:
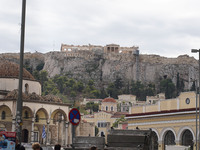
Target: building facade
[173, 121]
[37, 110]
[109, 105]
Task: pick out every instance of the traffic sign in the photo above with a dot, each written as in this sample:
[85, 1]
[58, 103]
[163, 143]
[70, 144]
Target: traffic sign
[74, 116]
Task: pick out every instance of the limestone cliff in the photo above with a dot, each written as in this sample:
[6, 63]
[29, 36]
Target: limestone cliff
[105, 68]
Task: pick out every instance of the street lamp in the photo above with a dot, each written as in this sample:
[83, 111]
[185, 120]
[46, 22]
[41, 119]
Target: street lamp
[19, 99]
[195, 82]
[198, 51]
[47, 138]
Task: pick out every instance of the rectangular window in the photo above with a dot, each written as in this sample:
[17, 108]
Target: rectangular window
[36, 136]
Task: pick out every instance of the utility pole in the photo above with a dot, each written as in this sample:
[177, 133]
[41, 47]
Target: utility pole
[198, 51]
[19, 100]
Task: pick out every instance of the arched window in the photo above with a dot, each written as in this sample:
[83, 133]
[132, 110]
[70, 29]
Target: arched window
[26, 88]
[154, 141]
[169, 138]
[37, 118]
[3, 115]
[106, 108]
[111, 108]
[26, 114]
[187, 138]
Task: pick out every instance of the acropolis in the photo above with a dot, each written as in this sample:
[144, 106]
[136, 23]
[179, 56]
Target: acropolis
[109, 48]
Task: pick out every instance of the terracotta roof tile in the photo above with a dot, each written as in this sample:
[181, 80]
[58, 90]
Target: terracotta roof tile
[11, 70]
[109, 99]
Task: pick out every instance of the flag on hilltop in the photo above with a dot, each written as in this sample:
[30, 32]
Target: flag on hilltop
[43, 132]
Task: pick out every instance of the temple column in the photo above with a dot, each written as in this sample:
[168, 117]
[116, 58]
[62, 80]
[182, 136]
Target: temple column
[66, 132]
[13, 124]
[47, 138]
[32, 129]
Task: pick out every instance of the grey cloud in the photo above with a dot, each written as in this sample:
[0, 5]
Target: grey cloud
[163, 27]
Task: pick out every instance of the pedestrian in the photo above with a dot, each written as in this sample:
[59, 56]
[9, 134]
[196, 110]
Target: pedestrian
[93, 148]
[57, 147]
[18, 146]
[36, 146]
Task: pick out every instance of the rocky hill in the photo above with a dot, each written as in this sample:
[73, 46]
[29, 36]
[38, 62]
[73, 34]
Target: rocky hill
[105, 68]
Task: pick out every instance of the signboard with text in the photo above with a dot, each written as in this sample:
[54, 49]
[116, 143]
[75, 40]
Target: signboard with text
[7, 140]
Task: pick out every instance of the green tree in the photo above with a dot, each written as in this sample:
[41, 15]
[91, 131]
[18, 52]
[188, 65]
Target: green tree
[141, 90]
[120, 120]
[168, 87]
[90, 91]
[60, 83]
[103, 93]
[43, 78]
[112, 91]
[179, 85]
[40, 66]
[50, 88]
[137, 89]
[118, 83]
[193, 87]
[92, 106]
[96, 130]
[80, 86]
[73, 94]
[36, 75]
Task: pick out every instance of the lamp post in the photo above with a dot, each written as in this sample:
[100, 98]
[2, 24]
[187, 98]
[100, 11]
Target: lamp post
[19, 99]
[198, 51]
[66, 133]
[47, 138]
[195, 81]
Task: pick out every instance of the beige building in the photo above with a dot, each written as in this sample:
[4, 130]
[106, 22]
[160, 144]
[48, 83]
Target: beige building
[109, 105]
[173, 121]
[105, 118]
[126, 101]
[37, 111]
[155, 99]
[86, 100]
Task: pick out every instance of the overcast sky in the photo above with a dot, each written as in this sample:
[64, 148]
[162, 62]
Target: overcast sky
[163, 27]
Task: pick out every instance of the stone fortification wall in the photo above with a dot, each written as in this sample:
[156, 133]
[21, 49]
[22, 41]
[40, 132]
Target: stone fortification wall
[67, 48]
[128, 50]
[110, 48]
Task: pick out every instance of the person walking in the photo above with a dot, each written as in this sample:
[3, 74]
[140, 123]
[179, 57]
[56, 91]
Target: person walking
[93, 148]
[18, 146]
[57, 147]
[36, 146]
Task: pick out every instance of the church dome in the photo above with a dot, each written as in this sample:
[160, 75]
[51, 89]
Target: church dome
[109, 99]
[11, 70]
